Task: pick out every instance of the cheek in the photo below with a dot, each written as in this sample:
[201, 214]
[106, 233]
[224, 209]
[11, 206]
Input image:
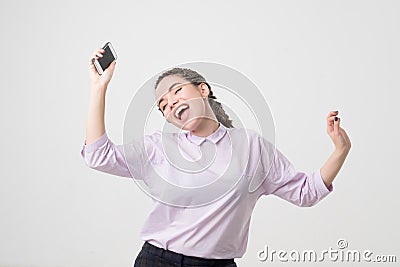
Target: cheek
[188, 93]
[167, 115]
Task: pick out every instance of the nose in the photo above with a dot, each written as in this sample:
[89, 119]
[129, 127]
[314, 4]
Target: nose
[172, 102]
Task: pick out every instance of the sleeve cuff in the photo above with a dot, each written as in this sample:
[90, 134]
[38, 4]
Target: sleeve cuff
[321, 187]
[95, 145]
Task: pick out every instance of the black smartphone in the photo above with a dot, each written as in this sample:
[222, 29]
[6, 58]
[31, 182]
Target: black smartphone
[104, 62]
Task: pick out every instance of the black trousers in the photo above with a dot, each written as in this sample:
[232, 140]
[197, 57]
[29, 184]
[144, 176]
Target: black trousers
[152, 256]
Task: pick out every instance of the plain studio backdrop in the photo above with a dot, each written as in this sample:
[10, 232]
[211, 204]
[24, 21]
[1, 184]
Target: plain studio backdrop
[306, 57]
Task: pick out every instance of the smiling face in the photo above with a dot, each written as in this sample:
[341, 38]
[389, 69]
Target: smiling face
[182, 103]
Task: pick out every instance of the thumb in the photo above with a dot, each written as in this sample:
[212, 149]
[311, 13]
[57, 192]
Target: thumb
[112, 66]
[336, 125]
[110, 69]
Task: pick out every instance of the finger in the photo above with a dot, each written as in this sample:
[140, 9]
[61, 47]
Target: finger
[329, 122]
[336, 125]
[99, 50]
[329, 125]
[98, 53]
[332, 113]
[91, 61]
[91, 64]
[331, 119]
[96, 56]
[331, 116]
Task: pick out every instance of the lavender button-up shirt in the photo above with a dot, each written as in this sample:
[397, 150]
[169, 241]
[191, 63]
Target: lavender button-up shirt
[220, 228]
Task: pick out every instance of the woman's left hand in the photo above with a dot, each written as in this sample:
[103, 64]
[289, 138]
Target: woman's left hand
[339, 137]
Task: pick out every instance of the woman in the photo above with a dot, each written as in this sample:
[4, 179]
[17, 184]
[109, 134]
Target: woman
[197, 230]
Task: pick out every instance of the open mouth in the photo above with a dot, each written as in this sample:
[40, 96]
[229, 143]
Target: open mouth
[179, 111]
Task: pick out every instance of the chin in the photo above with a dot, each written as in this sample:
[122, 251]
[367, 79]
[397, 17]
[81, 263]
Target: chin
[190, 126]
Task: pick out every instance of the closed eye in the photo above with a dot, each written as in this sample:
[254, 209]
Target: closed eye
[163, 107]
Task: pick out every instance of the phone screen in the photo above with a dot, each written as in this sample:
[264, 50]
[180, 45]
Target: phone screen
[107, 58]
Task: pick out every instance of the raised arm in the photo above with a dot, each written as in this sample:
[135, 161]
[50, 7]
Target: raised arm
[95, 126]
[98, 151]
[342, 147]
[297, 187]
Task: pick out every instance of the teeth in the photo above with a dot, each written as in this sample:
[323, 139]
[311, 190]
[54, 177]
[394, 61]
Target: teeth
[179, 110]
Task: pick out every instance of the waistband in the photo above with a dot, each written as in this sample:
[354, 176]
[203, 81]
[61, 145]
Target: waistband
[183, 259]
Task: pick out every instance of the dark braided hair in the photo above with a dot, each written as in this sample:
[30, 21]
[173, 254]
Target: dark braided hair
[195, 78]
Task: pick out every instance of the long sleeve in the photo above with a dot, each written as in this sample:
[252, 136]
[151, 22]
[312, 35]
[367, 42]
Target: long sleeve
[103, 155]
[284, 181]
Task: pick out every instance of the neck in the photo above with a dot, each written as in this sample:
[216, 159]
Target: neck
[208, 124]
[206, 127]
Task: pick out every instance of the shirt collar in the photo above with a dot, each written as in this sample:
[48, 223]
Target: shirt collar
[214, 137]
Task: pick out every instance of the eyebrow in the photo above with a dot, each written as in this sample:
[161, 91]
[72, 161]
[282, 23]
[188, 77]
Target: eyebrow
[169, 90]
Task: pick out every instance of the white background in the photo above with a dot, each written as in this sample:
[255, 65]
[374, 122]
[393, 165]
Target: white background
[307, 57]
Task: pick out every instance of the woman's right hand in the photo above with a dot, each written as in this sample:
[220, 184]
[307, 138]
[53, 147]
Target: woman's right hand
[96, 80]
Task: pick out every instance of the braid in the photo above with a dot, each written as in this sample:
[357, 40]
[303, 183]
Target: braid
[196, 79]
[219, 111]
